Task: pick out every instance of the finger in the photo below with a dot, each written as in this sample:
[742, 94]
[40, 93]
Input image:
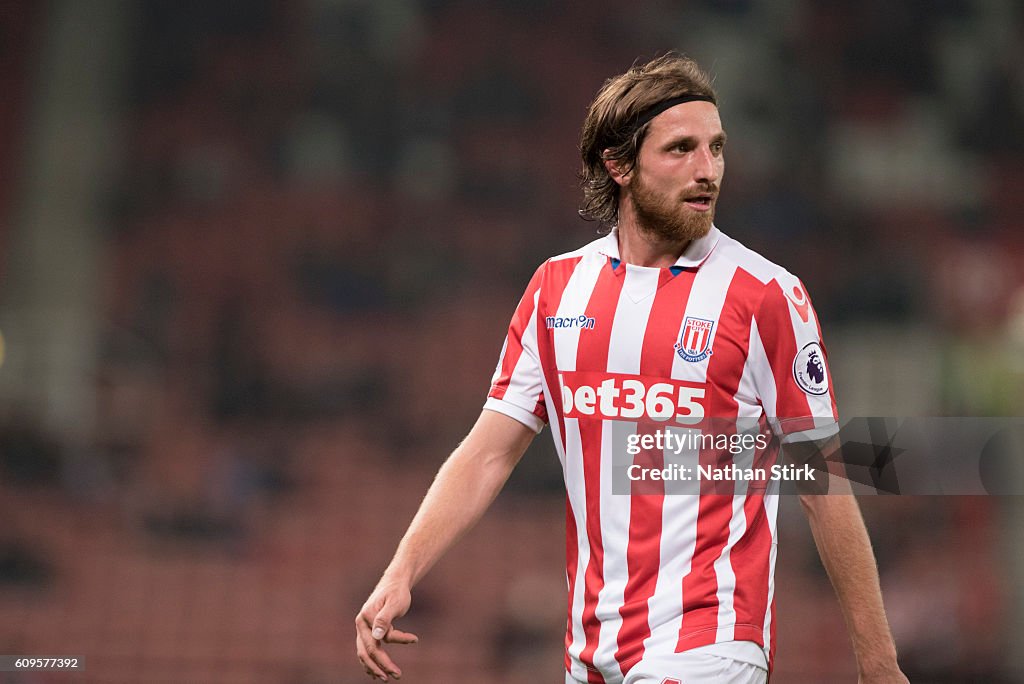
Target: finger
[382, 623]
[369, 665]
[374, 653]
[382, 660]
[392, 608]
[397, 636]
[373, 657]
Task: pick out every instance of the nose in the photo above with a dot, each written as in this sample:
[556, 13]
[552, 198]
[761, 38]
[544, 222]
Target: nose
[707, 168]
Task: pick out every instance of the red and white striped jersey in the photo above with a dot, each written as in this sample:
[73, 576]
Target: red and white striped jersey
[598, 348]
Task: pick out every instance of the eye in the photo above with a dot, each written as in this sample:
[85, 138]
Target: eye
[717, 147]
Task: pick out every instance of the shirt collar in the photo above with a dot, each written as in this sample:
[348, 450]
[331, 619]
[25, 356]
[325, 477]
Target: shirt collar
[692, 257]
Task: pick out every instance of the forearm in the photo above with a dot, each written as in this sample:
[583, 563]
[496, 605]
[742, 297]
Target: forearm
[463, 489]
[845, 550]
[458, 497]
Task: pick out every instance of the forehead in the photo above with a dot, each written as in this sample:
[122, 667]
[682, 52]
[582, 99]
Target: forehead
[698, 119]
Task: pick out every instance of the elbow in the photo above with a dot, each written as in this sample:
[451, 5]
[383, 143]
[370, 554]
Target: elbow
[809, 504]
[815, 503]
[485, 462]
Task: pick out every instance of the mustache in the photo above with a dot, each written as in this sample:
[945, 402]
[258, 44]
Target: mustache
[702, 189]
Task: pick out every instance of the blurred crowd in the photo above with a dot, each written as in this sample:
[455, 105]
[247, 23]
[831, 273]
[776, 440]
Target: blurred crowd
[324, 216]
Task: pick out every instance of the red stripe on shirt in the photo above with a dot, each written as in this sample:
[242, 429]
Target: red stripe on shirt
[592, 355]
[521, 319]
[555, 281]
[824, 351]
[775, 326]
[750, 559]
[571, 559]
[643, 552]
[725, 368]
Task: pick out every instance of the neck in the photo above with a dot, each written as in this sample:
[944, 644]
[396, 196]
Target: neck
[642, 248]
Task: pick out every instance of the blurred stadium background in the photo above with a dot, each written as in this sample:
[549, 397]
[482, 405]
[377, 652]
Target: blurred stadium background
[258, 259]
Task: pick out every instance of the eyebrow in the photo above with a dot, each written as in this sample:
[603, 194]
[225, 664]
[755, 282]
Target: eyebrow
[689, 139]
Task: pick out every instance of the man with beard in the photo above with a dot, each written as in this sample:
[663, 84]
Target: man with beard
[646, 334]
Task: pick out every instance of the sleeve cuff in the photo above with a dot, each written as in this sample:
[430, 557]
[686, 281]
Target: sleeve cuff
[530, 420]
[820, 431]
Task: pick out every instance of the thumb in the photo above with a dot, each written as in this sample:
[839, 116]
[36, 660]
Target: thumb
[382, 623]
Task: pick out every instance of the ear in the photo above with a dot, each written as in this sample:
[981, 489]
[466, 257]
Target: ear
[615, 167]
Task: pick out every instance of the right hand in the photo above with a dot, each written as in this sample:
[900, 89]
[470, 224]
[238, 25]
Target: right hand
[388, 602]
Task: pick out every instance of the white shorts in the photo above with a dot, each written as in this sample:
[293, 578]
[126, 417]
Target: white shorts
[690, 667]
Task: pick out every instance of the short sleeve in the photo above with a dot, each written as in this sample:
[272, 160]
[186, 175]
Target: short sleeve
[518, 382]
[794, 382]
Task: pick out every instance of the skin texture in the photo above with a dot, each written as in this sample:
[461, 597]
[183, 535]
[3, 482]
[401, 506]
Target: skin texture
[845, 550]
[463, 489]
[681, 158]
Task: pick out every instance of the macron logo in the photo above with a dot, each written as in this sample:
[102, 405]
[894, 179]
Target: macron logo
[582, 322]
[800, 303]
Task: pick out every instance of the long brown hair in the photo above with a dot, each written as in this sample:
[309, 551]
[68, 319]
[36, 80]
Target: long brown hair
[610, 130]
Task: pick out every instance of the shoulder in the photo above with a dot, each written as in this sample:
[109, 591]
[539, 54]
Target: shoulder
[590, 249]
[780, 295]
[768, 273]
[563, 264]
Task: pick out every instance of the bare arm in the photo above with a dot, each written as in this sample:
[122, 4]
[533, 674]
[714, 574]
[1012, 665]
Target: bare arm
[465, 486]
[845, 549]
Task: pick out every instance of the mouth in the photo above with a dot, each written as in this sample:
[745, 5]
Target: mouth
[700, 202]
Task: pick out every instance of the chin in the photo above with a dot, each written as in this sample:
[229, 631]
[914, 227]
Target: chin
[694, 227]
[673, 224]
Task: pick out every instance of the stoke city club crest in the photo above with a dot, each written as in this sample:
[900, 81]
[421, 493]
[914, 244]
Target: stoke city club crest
[695, 340]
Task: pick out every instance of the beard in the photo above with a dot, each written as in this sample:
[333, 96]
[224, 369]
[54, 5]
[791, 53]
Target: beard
[667, 218]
